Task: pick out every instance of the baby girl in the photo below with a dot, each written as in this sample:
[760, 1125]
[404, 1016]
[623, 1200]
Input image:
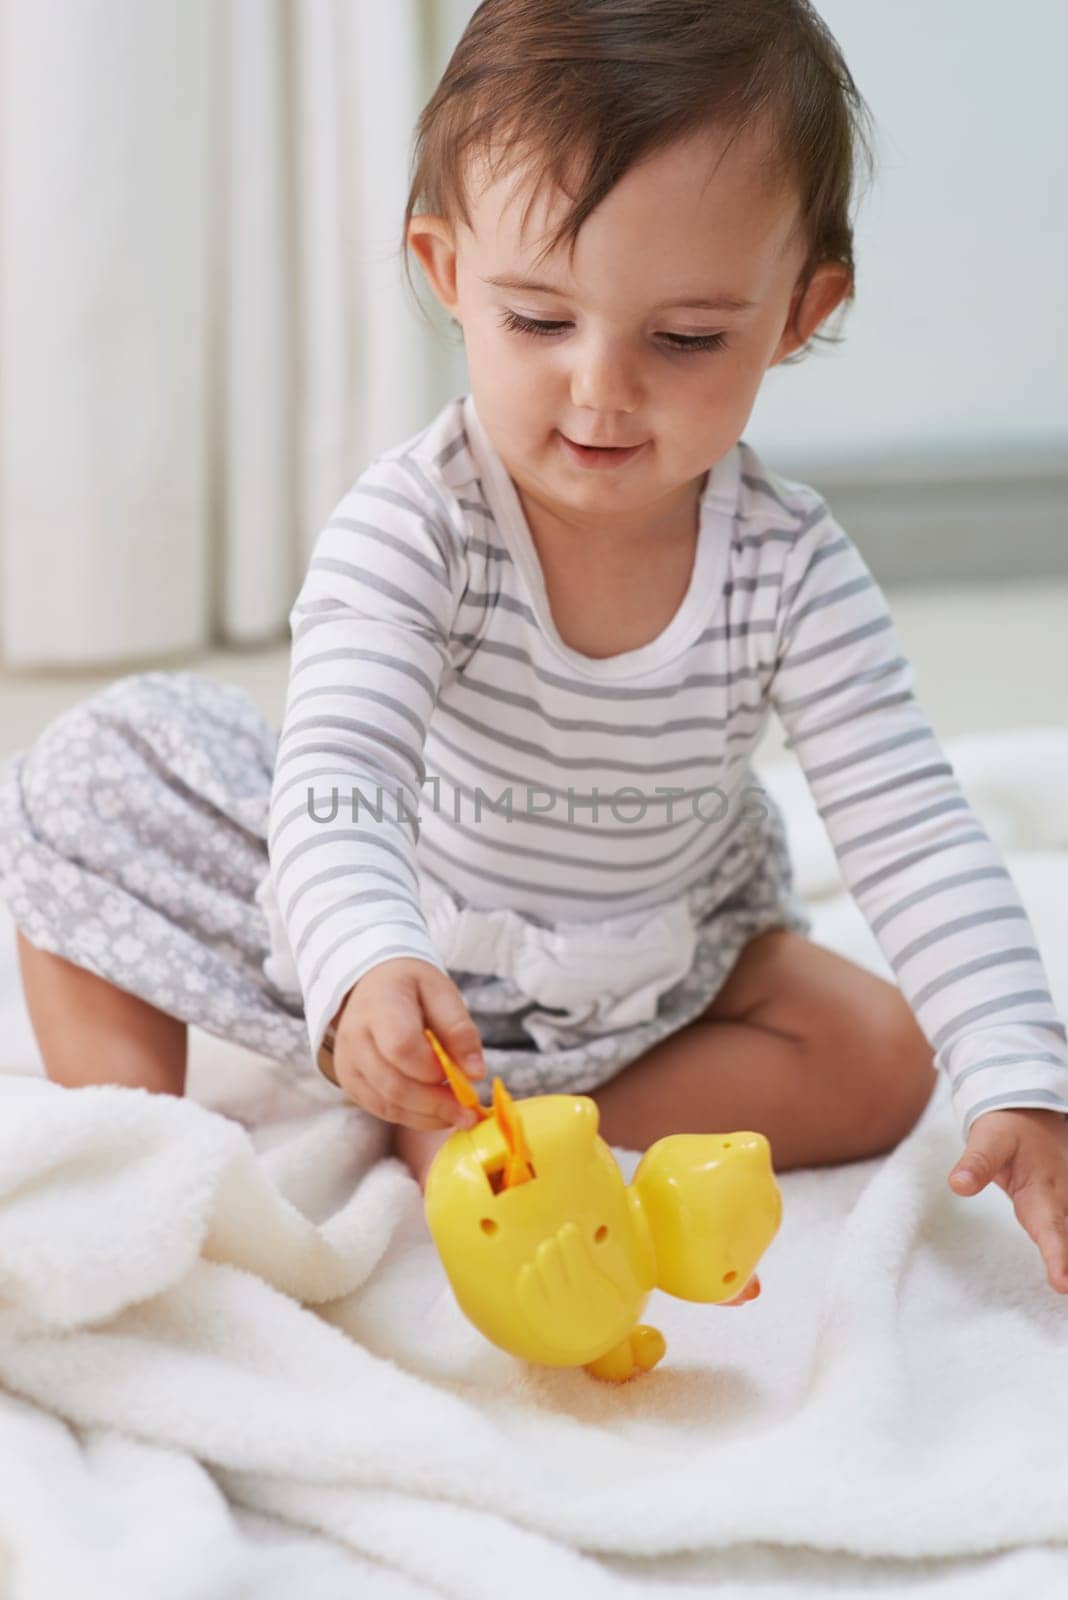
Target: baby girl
[512, 798]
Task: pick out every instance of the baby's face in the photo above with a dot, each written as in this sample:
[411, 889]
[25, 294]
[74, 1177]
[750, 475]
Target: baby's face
[622, 353]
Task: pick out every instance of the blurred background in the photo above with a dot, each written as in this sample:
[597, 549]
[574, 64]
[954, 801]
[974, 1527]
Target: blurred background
[204, 334]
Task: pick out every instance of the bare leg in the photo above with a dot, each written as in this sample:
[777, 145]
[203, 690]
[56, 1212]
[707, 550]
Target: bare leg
[418, 1147]
[88, 1031]
[818, 1054]
[829, 1062]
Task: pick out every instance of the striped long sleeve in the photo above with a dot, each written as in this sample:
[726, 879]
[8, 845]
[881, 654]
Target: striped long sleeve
[933, 887]
[370, 629]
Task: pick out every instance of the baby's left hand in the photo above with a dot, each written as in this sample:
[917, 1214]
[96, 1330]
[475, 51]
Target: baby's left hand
[1026, 1154]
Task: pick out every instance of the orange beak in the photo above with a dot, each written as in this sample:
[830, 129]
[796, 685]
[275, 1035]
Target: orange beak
[750, 1292]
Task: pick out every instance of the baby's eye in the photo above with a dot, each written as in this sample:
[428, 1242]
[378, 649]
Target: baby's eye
[545, 330]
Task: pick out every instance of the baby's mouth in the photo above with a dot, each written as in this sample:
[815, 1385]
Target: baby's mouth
[600, 456]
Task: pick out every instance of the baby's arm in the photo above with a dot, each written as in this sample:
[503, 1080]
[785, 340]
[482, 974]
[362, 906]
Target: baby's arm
[932, 885]
[371, 628]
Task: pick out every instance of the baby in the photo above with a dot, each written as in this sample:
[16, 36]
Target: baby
[566, 608]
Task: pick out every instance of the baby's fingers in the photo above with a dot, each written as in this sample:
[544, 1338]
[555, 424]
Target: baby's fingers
[402, 1064]
[1040, 1212]
[449, 1019]
[390, 1094]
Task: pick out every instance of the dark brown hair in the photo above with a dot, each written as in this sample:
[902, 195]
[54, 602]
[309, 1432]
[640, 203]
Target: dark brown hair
[608, 82]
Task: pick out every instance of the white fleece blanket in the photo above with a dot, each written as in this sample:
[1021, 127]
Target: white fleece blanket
[230, 1363]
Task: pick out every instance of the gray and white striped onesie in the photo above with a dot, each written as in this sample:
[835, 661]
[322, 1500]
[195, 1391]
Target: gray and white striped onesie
[581, 843]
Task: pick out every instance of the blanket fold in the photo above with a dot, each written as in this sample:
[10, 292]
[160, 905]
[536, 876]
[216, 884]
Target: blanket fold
[226, 1336]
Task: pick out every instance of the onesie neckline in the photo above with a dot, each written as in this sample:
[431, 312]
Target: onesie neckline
[717, 507]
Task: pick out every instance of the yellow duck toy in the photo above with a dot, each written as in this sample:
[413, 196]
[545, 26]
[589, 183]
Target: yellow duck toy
[553, 1257]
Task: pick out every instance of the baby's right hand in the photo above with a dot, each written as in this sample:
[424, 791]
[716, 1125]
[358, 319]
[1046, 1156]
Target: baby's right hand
[382, 1058]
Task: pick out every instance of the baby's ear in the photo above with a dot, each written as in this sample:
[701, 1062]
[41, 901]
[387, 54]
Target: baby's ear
[431, 240]
[827, 289]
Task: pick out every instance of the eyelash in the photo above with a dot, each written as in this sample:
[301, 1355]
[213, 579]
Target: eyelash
[684, 342]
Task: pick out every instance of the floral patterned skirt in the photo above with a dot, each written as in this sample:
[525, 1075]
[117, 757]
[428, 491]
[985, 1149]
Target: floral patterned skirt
[133, 842]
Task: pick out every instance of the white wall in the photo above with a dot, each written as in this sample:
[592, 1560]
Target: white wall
[960, 331]
[959, 336]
